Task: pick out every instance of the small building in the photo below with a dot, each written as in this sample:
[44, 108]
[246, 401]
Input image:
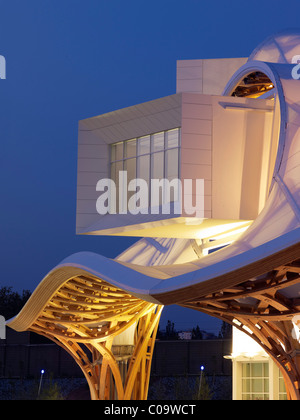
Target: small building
[185, 335]
[255, 376]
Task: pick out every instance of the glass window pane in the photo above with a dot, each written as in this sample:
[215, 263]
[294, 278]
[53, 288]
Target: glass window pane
[130, 148]
[117, 151]
[144, 167]
[112, 152]
[172, 164]
[266, 370]
[246, 370]
[114, 174]
[157, 166]
[143, 171]
[246, 385]
[158, 142]
[130, 167]
[257, 397]
[257, 370]
[113, 171]
[172, 138]
[143, 145]
[266, 385]
[281, 385]
[257, 385]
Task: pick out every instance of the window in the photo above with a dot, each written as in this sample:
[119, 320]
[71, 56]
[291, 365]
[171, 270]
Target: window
[255, 381]
[281, 392]
[154, 156]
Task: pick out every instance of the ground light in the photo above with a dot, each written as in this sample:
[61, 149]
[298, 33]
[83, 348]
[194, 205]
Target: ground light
[41, 380]
[200, 382]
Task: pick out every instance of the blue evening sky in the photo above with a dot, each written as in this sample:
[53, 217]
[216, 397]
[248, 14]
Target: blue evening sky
[73, 59]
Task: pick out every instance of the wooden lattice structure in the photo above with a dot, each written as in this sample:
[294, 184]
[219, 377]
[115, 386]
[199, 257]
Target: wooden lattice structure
[260, 309]
[83, 316]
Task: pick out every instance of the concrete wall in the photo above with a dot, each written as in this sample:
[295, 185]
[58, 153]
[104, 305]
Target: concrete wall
[186, 356]
[28, 360]
[170, 358]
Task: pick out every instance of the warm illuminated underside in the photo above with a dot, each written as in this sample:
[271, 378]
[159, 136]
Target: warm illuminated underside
[86, 316]
[265, 309]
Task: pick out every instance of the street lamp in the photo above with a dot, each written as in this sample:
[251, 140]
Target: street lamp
[201, 373]
[41, 379]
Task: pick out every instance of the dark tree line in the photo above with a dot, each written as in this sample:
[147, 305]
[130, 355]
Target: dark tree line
[170, 332]
[226, 330]
[12, 302]
[196, 333]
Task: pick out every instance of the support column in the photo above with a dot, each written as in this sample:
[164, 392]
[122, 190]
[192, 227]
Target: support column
[120, 372]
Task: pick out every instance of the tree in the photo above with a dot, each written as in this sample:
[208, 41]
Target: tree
[52, 391]
[226, 330]
[185, 388]
[202, 389]
[196, 333]
[12, 302]
[171, 333]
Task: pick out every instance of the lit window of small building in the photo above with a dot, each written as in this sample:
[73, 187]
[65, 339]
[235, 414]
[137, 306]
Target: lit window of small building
[185, 335]
[254, 374]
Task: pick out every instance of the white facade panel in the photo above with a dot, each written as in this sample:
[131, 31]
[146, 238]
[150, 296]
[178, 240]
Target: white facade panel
[91, 164]
[195, 126]
[197, 141]
[240, 130]
[196, 156]
[90, 179]
[208, 76]
[192, 85]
